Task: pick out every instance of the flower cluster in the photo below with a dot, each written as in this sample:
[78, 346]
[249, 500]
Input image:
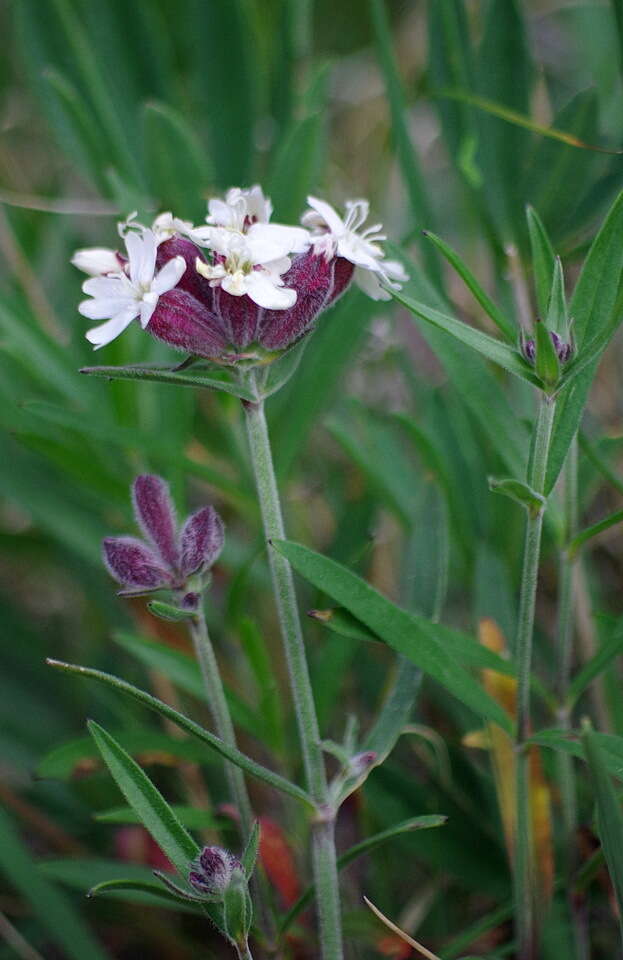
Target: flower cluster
[238, 286]
[164, 560]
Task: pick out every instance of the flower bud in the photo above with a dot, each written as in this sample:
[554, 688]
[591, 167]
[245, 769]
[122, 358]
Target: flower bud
[213, 871]
[564, 350]
[361, 762]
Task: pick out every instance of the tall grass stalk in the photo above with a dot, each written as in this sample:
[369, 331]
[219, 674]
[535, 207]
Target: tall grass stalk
[324, 857]
[524, 867]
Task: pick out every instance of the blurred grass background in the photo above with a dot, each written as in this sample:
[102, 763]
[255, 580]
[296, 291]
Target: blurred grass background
[108, 107]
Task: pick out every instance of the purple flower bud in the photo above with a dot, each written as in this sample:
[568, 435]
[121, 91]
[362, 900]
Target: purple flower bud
[239, 317]
[191, 281]
[184, 323]
[564, 350]
[212, 871]
[156, 517]
[361, 762]
[311, 275]
[202, 540]
[133, 564]
[342, 276]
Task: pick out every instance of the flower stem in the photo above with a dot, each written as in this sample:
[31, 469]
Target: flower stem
[524, 886]
[323, 844]
[215, 695]
[564, 648]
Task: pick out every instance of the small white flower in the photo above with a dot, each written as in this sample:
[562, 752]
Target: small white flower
[121, 297]
[246, 213]
[245, 264]
[96, 261]
[332, 235]
[166, 226]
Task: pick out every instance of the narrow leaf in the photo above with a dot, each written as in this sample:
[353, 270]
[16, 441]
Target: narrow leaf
[505, 326]
[518, 491]
[597, 663]
[154, 889]
[230, 753]
[249, 855]
[166, 611]
[501, 353]
[417, 640]
[358, 850]
[146, 800]
[556, 318]
[163, 374]
[547, 364]
[543, 260]
[592, 531]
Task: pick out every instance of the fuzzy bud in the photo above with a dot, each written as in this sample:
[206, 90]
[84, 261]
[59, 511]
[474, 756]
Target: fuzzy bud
[564, 350]
[213, 871]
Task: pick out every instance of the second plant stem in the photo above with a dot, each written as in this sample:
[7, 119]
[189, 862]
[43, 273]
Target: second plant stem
[324, 859]
[523, 866]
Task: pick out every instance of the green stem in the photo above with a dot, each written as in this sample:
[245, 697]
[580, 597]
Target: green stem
[217, 702]
[215, 696]
[564, 646]
[524, 885]
[323, 844]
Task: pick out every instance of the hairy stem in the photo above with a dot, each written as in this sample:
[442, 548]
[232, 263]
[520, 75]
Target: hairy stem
[564, 647]
[215, 696]
[323, 844]
[524, 880]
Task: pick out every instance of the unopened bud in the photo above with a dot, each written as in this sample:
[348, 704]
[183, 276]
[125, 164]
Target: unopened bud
[563, 349]
[361, 762]
[213, 871]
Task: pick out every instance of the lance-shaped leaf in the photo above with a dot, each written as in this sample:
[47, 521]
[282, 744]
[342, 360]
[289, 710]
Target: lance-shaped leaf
[417, 641]
[230, 753]
[501, 321]
[556, 317]
[146, 800]
[546, 360]
[426, 822]
[250, 852]
[610, 815]
[161, 374]
[166, 611]
[518, 491]
[543, 260]
[592, 531]
[153, 892]
[597, 663]
[501, 353]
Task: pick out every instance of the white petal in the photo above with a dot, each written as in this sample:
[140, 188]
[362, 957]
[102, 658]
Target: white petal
[142, 253]
[358, 252]
[105, 307]
[368, 281]
[146, 310]
[223, 213]
[169, 275]
[327, 213]
[106, 287]
[259, 207]
[263, 291]
[395, 270]
[235, 284]
[96, 261]
[270, 241]
[208, 271]
[100, 336]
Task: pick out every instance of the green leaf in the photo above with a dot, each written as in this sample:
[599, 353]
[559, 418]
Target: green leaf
[150, 806]
[53, 912]
[152, 703]
[610, 814]
[556, 317]
[592, 531]
[597, 663]
[592, 306]
[279, 371]
[161, 374]
[419, 641]
[543, 260]
[501, 353]
[518, 491]
[358, 850]
[546, 362]
[611, 746]
[155, 891]
[396, 711]
[506, 327]
[168, 612]
[76, 757]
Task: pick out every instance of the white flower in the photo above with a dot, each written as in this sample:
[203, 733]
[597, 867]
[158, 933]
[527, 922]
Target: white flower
[246, 264]
[246, 213]
[166, 226]
[96, 261]
[121, 297]
[332, 235]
